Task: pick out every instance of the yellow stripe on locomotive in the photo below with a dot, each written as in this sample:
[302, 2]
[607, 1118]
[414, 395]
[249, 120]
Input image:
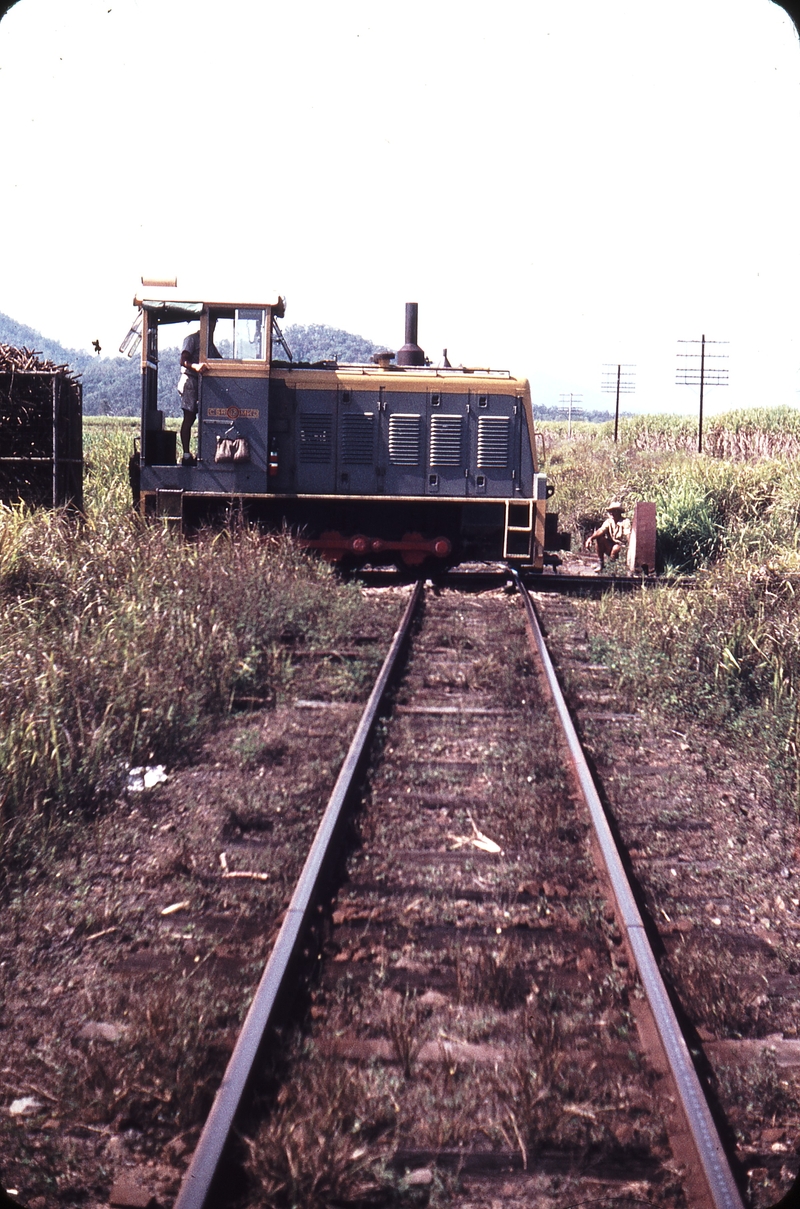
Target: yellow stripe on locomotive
[391, 460]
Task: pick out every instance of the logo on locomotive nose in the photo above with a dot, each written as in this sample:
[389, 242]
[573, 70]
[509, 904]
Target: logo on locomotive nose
[233, 413]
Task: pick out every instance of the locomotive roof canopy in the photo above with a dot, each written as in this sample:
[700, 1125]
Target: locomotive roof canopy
[185, 300]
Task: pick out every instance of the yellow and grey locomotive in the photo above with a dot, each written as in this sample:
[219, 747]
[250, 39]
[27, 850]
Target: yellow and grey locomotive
[387, 461]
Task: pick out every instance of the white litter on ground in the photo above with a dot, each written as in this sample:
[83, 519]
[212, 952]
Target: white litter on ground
[140, 779]
[25, 1106]
[477, 840]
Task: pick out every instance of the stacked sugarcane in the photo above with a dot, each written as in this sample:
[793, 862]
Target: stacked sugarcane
[40, 422]
[26, 404]
[26, 361]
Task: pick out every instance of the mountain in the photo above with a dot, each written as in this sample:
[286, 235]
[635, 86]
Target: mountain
[318, 342]
[111, 385]
[22, 336]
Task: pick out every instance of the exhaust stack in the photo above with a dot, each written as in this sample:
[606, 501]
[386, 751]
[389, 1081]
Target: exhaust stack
[411, 353]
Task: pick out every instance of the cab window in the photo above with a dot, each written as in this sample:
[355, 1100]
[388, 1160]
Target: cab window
[239, 334]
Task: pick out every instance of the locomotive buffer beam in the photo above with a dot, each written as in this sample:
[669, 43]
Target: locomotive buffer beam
[412, 546]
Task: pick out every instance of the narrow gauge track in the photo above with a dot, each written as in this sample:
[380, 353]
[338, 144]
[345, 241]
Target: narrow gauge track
[713, 850]
[476, 1023]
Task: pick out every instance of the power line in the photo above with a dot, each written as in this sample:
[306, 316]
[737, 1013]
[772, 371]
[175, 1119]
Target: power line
[568, 402]
[702, 374]
[618, 378]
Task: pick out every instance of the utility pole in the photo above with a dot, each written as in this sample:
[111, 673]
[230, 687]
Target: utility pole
[618, 378]
[691, 375]
[568, 402]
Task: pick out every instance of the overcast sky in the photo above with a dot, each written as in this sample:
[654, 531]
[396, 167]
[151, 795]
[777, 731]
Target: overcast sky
[558, 184]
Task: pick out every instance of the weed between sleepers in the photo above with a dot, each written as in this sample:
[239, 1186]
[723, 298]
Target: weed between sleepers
[501, 982]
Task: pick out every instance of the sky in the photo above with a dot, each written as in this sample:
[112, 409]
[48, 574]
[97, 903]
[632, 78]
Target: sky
[559, 185]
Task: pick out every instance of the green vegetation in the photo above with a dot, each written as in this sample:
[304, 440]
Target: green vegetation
[725, 654]
[736, 435]
[318, 342]
[755, 432]
[554, 415]
[112, 385]
[120, 642]
[707, 506]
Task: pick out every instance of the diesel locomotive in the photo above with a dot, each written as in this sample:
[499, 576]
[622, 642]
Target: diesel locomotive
[390, 461]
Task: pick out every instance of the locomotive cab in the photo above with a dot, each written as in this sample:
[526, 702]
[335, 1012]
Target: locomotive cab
[235, 349]
[381, 462]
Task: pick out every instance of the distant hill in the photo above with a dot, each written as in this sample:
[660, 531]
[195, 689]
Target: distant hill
[318, 342]
[112, 385]
[22, 336]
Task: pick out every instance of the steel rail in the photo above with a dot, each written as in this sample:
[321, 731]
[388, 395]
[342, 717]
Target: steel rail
[487, 576]
[711, 1156]
[199, 1175]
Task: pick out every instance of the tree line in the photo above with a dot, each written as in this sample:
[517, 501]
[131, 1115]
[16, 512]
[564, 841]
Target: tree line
[112, 385]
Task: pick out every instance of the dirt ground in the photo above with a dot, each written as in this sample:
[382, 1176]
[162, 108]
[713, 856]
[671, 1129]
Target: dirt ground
[128, 955]
[714, 851]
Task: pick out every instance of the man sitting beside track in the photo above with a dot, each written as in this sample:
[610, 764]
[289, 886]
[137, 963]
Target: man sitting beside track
[613, 534]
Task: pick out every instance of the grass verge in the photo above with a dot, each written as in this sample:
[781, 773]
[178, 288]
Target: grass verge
[120, 642]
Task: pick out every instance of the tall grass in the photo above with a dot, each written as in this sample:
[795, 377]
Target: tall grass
[119, 642]
[659, 433]
[107, 446]
[727, 654]
[705, 506]
[740, 435]
[757, 432]
[724, 656]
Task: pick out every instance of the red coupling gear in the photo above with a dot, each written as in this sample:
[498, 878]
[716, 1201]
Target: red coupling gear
[333, 545]
[413, 547]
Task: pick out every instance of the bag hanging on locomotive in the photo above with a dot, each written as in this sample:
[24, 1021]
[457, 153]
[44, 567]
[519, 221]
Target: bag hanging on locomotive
[232, 449]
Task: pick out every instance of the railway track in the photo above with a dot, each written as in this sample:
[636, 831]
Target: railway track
[713, 852]
[481, 1016]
